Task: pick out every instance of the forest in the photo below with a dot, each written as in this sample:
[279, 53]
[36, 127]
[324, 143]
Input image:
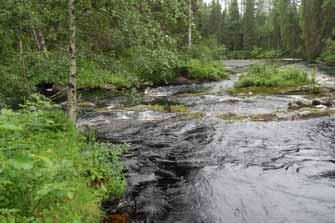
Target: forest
[114, 111]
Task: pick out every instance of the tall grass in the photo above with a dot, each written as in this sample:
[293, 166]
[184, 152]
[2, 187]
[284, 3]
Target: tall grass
[261, 75]
[205, 70]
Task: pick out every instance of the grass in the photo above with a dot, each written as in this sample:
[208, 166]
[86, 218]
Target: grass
[262, 78]
[99, 78]
[205, 71]
[49, 172]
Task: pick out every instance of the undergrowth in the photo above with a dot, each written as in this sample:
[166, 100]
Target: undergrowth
[49, 172]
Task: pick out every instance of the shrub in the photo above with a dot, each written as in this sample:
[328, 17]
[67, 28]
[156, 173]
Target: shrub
[259, 53]
[328, 55]
[208, 49]
[154, 66]
[49, 172]
[14, 87]
[91, 75]
[261, 75]
[255, 53]
[237, 54]
[199, 70]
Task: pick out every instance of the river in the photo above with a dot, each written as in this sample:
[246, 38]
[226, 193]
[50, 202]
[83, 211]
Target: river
[199, 168]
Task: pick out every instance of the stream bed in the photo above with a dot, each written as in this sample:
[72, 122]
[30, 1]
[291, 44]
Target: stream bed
[196, 167]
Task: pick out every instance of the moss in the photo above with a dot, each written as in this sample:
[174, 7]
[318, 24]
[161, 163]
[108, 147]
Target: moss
[258, 117]
[192, 115]
[152, 107]
[284, 90]
[178, 108]
[301, 114]
[167, 108]
[194, 94]
[307, 113]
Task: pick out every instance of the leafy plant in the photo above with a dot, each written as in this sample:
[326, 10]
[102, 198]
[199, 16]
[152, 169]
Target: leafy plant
[49, 172]
[328, 55]
[154, 66]
[259, 53]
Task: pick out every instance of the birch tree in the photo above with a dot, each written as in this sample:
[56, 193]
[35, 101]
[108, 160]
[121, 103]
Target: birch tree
[72, 88]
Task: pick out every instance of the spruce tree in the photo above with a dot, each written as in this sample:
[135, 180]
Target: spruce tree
[215, 19]
[312, 29]
[249, 25]
[234, 41]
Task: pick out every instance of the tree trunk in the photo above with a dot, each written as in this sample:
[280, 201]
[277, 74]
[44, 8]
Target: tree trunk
[72, 88]
[36, 39]
[190, 14]
[42, 42]
[23, 66]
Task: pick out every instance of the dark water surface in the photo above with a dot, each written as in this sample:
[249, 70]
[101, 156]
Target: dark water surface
[210, 170]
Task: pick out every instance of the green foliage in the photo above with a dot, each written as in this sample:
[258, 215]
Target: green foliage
[91, 75]
[255, 53]
[237, 54]
[261, 75]
[154, 66]
[199, 70]
[207, 49]
[49, 172]
[13, 88]
[328, 55]
[258, 53]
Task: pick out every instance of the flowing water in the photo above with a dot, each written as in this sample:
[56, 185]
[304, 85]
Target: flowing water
[200, 168]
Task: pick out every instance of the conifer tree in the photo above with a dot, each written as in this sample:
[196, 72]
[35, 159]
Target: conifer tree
[312, 29]
[249, 25]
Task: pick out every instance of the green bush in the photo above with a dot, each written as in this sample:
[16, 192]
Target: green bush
[13, 88]
[328, 55]
[261, 75]
[198, 70]
[259, 53]
[91, 75]
[48, 170]
[237, 54]
[153, 66]
[208, 49]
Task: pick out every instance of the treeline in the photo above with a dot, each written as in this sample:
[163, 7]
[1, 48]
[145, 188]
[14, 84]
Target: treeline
[304, 28]
[137, 43]
[119, 43]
